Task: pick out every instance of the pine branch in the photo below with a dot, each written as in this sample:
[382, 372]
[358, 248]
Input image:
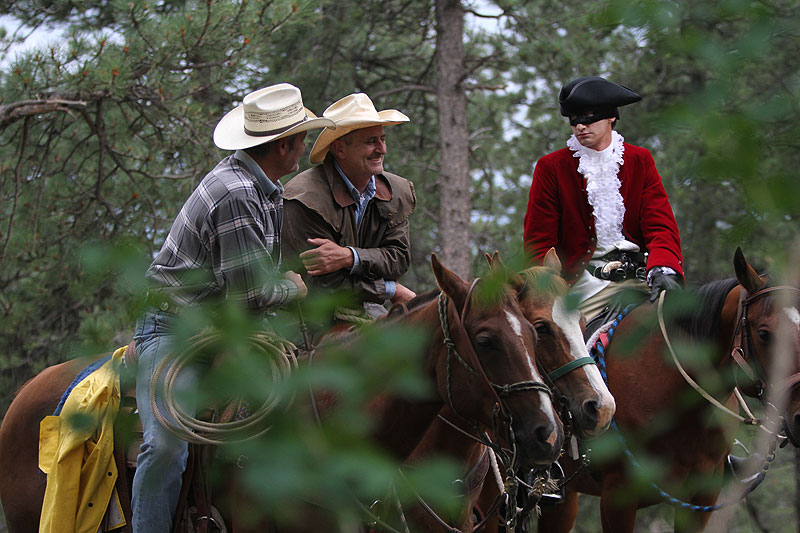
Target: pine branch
[12, 112]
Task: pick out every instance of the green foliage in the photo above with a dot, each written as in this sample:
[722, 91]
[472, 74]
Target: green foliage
[330, 460]
[107, 130]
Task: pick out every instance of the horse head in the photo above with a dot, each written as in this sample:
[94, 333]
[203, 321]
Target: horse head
[766, 342]
[487, 373]
[561, 351]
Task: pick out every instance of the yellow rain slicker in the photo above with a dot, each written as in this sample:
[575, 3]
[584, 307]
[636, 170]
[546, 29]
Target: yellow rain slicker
[79, 461]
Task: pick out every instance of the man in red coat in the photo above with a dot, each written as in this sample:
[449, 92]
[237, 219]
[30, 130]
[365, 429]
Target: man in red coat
[600, 202]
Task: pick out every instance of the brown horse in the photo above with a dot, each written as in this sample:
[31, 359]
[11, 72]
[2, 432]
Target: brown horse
[562, 357]
[561, 351]
[479, 361]
[662, 416]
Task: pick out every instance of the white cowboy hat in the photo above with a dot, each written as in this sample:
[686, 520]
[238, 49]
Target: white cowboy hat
[352, 112]
[265, 115]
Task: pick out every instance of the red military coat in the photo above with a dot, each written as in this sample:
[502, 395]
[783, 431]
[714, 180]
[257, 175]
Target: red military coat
[559, 213]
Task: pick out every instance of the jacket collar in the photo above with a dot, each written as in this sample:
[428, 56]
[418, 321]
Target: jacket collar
[383, 191]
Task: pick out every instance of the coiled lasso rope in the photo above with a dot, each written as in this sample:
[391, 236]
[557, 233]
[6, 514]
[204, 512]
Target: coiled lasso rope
[203, 346]
[352, 316]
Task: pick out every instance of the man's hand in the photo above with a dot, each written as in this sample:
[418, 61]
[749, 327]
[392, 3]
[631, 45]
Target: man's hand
[295, 278]
[662, 281]
[327, 257]
[402, 294]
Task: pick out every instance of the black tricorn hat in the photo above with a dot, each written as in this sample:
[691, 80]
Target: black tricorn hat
[593, 92]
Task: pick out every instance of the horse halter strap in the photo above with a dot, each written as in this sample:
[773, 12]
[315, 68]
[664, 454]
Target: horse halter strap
[569, 367]
[742, 343]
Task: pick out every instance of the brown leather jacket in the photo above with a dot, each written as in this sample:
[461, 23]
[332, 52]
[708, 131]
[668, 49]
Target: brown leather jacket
[317, 204]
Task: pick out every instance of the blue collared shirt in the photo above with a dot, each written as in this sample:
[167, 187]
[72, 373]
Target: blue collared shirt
[362, 200]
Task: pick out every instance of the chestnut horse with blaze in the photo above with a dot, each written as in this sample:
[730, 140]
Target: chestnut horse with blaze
[661, 415]
[561, 357]
[477, 362]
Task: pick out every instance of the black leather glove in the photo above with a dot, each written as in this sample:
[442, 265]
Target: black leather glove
[661, 281]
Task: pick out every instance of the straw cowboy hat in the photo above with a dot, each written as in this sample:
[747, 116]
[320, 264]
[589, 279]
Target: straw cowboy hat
[266, 115]
[352, 112]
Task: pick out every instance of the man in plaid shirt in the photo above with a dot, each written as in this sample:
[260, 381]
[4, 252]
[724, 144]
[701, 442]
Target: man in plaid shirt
[224, 244]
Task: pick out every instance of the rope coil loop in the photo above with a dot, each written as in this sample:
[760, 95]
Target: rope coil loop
[206, 348]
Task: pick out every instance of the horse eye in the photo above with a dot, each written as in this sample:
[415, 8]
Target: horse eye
[542, 328]
[765, 336]
[484, 341]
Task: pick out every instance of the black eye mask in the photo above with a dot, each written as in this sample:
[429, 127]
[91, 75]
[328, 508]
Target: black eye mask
[590, 117]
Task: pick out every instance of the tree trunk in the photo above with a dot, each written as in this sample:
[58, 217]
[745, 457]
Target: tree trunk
[454, 185]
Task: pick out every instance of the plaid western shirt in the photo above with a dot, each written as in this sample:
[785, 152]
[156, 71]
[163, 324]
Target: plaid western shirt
[225, 242]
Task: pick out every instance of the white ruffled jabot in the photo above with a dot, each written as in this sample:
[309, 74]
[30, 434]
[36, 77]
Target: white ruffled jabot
[600, 168]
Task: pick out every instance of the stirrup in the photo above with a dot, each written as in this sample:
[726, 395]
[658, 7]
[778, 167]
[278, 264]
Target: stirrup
[738, 468]
[559, 494]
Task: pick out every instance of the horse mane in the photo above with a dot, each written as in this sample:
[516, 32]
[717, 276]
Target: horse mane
[543, 279]
[417, 301]
[703, 321]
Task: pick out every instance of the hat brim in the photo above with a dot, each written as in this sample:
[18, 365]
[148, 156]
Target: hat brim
[387, 117]
[230, 135]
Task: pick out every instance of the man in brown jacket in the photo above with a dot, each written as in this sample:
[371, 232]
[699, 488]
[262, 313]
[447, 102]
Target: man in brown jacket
[347, 219]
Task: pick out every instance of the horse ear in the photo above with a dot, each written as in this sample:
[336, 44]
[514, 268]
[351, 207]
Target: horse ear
[495, 263]
[449, 283]
[746, 274]
[498, 268]
[552, 261]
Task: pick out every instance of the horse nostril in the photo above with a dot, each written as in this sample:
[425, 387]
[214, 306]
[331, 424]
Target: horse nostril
[547, 436]
[590, 409]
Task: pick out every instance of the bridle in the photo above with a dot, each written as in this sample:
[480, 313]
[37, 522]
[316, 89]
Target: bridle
[566, 368]
[742, 350]
[550, 377]
[469, 360]
[501, 418]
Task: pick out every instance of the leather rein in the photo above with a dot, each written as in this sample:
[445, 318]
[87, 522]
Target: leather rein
[741, 350]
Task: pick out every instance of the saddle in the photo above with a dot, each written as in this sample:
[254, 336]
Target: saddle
[622, 302]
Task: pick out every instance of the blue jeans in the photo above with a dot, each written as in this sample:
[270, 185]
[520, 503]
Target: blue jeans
[162, 461]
